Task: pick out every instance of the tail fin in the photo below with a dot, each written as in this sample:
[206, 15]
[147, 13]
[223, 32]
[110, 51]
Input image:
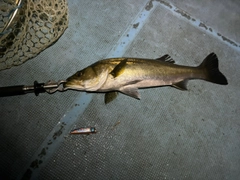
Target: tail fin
[210, 65]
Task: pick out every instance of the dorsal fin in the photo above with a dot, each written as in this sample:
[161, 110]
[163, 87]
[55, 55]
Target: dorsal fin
[166, 58]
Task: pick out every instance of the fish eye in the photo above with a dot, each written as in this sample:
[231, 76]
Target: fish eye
[79, 73]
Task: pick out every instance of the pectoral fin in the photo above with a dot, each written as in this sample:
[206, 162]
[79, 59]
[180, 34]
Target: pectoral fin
[119, 68]
[110, 96]
[182, 85]
[130, 91]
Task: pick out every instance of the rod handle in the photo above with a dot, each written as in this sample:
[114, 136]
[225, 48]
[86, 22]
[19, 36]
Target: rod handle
[12, 90]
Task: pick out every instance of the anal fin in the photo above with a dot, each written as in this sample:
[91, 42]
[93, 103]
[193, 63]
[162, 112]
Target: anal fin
[130, 91]
[182, 85]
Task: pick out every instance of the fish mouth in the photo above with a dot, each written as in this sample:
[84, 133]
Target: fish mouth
[72, 84]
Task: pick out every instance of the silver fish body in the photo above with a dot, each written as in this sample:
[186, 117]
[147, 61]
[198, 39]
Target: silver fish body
[127, 75]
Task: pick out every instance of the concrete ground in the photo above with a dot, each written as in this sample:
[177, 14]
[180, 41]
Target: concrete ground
[168, 134]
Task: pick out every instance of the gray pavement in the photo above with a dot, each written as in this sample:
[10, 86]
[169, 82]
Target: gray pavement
[168, 134]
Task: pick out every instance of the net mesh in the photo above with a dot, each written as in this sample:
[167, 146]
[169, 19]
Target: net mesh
[28, 27]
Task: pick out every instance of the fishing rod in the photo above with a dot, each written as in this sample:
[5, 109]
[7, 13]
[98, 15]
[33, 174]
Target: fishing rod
[37, 88]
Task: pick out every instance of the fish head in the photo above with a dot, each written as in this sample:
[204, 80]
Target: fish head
[85, 80]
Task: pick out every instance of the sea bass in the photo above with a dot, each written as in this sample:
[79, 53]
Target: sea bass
[127, 75]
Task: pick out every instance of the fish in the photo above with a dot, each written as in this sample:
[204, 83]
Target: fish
[127, 75]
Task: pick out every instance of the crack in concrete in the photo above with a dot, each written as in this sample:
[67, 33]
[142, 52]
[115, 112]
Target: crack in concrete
[135, 25]
[203, 25]
[149, 5]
